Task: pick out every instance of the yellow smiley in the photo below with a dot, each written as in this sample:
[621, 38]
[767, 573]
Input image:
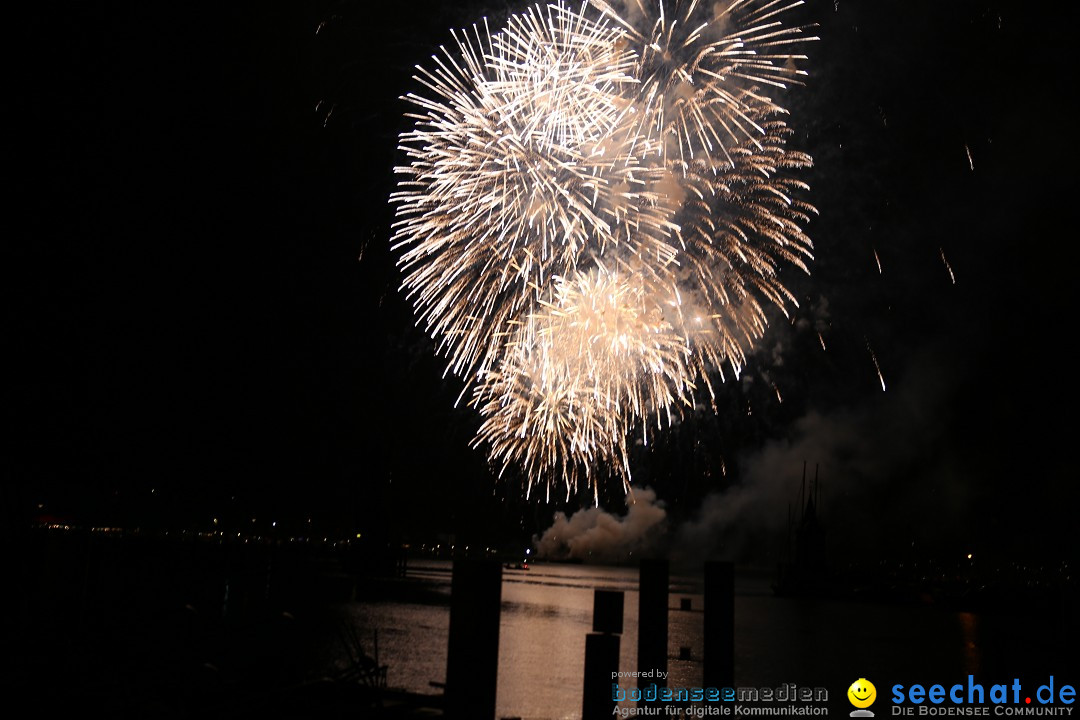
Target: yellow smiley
[862, 693]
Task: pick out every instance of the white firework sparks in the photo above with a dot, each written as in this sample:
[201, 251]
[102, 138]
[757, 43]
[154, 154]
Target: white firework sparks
[596, 210]
[578, 375]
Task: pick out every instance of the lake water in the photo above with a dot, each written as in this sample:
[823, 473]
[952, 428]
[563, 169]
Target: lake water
[547, 612]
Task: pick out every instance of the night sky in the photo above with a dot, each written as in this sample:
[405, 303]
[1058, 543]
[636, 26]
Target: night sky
[205, 319]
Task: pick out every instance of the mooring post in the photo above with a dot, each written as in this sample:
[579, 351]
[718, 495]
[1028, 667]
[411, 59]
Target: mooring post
[602, 655]
[472, 659]
[719, 661]
[653, 622]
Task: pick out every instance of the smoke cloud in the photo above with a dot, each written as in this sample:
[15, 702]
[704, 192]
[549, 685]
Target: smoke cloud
[894, 478]
[890, 478]
[595, 535]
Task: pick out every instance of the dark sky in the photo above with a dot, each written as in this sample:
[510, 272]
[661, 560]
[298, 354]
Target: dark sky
[205, 318]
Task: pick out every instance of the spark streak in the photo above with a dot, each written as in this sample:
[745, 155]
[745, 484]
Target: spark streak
[952, 275]
[877, 366]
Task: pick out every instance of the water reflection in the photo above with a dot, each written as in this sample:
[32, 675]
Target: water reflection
[969, 630]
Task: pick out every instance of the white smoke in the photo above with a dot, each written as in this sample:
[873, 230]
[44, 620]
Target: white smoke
[596, 535]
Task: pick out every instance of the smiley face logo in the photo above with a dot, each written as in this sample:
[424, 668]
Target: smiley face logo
[862, 693]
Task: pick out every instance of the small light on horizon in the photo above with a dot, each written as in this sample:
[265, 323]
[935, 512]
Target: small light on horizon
[969, 556]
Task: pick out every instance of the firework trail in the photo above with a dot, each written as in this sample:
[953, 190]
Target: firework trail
[952, 275]
[877, 366]
[594, 216]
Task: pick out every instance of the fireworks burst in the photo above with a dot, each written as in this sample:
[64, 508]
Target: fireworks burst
[578, 374]
[701, 68]
[596, 211]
